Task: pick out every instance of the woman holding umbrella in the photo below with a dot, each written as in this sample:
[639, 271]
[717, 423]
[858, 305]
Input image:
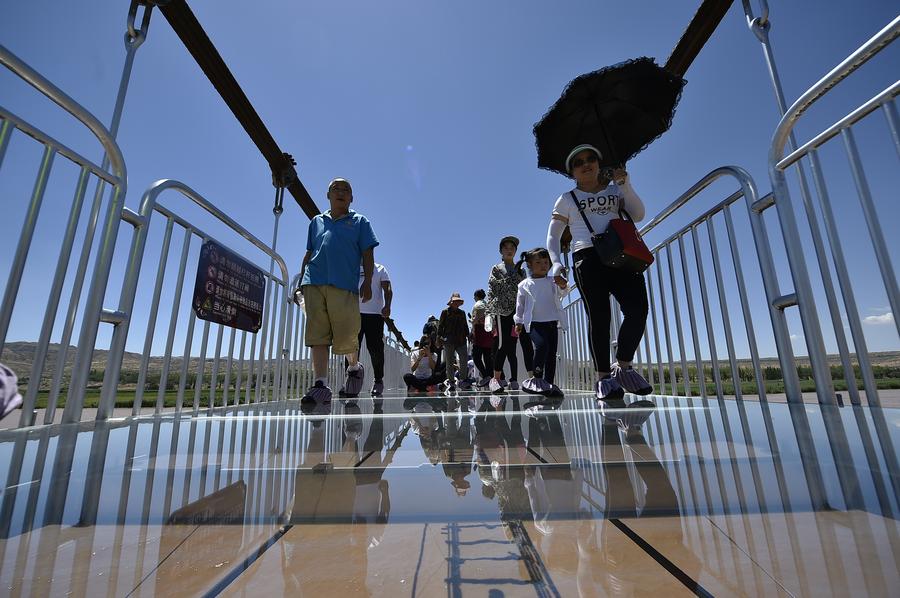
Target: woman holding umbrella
[598, 197]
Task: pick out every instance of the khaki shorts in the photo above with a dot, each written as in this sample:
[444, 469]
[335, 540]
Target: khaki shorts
[332, 318]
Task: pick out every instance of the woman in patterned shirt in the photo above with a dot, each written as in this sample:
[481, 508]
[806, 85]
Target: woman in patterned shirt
[503, 286]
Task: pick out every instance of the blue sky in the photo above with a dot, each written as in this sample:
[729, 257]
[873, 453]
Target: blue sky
[427, 107]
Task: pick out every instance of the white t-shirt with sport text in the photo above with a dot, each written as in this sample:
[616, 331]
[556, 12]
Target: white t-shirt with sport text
[376, 303]
[600, 208]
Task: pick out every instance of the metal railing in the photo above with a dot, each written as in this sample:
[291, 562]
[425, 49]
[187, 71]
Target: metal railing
[91, 307]
[680, 264]
[779, 163]
[234, 375]
[277, 366]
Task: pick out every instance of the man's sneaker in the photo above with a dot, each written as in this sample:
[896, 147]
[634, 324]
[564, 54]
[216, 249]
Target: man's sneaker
[378, 388]
[532, 386]
[513, 385]
[317, 393]
[608, 389]
[630, 380]
[465, 384]
[483, 383]
[354, 382]
[495, 387]
[503, 382]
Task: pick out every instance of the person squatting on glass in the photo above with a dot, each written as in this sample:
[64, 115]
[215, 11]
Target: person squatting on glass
[539, 316]
[503, 286]
[600, 197]
[421, 365]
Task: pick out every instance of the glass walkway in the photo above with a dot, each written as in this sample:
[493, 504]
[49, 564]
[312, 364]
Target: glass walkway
[432, 494]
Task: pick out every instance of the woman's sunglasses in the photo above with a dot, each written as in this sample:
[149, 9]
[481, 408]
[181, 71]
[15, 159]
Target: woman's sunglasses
[579, 162]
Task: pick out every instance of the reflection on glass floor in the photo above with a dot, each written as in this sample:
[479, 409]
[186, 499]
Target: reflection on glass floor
[436, 495]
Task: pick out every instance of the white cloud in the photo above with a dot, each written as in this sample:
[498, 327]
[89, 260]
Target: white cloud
[883, 319]
[794, 337]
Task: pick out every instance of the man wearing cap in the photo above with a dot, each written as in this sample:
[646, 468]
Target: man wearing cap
[598, 197]
[337, 242]
[453, 330]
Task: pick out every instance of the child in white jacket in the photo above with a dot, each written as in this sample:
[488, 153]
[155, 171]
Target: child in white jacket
[538, 312]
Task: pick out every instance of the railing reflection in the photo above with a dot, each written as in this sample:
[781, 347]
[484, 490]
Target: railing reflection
[263, 469]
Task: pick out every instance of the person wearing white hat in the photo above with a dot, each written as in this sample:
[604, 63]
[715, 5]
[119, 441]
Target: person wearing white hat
[598, 198]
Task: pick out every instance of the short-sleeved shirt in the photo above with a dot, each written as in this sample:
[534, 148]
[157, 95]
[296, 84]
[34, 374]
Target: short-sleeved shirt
[337, 247]
[376, 303]
[424, 369]
[600, 208]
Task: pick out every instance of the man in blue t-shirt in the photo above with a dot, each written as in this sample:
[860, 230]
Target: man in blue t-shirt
[337, 242]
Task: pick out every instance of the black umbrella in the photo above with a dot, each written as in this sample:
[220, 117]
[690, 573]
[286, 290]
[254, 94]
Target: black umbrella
[618, 109]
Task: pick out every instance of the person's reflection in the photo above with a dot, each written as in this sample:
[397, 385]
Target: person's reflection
[427, 424]
[554, 492]
[330, 496]
[372, 506]
[457, 453]
[604, 557]
[500, 452]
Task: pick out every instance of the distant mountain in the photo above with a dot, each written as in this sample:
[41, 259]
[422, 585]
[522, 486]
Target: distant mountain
[19, 356]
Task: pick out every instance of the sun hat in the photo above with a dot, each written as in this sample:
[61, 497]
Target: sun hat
[455, 297]
[509, 239]
[581, 148]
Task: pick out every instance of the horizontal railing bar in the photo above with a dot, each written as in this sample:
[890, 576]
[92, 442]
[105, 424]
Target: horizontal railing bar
[701, 218]
[685, 197]
[59, 147]
[202, 234]
[149, 200]
[763, 203]
[869, 49]
[834, 130]
[785, 301]
[33, 78]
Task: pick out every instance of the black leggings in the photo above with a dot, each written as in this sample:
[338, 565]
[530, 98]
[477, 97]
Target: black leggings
[372, 327]
[505, 348]
[420, 383]
[596, 283]
[483, 360]
[545, 336]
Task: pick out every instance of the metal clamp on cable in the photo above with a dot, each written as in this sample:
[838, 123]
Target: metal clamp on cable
[281, 179]
[135, 37]
[759, 25]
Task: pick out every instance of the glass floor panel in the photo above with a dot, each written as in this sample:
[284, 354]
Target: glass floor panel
[458, 495]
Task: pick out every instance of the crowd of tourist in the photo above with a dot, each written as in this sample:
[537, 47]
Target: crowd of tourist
[347, 296]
